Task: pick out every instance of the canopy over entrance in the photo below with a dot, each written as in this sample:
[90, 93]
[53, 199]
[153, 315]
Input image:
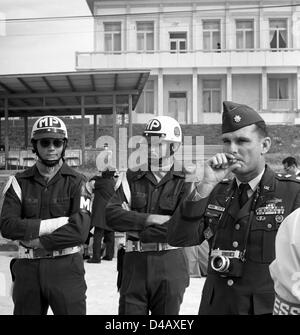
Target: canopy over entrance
[70, 93]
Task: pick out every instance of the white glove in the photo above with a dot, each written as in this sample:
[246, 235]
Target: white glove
[48, 226]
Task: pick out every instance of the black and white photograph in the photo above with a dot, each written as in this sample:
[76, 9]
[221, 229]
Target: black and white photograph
[150, 160]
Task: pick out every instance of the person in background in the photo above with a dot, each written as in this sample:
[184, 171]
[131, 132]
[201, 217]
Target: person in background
[239, 217]
[155, 275]
[103, 188]
[290, 166]
[47, 209]
[285, 269]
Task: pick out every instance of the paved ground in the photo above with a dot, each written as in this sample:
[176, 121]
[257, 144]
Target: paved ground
[102, 295]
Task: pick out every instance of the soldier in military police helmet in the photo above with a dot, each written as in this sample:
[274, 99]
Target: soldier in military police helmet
[47, 210]
[153, 275]
[239, 216]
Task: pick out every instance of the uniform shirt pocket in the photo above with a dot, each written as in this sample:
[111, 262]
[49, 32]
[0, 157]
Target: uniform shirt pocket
[261, 245]
[30, 208]
[59, 206]
[168, 204]
[138, 201]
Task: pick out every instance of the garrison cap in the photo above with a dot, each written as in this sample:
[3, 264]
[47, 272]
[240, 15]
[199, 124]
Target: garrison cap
[236, 116]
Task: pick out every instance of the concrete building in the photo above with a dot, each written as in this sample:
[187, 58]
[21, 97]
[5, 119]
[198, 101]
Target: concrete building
[202, 52]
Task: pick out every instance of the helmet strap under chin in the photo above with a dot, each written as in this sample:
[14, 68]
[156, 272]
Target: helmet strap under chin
[47, 162]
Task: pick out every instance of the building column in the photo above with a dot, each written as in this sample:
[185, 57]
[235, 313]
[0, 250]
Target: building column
[6, 126]
[126, 29]
[295, 28]
[193, 45]
[227, 29]
[298, 89]
[82, 102]
[159, 35]
[26, 131]
[260, 30]
[160, 93]
[200, 114]
[264, 90]
[195, 97]
[229, 85]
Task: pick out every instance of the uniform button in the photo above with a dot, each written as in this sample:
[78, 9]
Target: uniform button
[237, 226]
[230, 282]
[235, 244]
[210, 220]
[269, 225]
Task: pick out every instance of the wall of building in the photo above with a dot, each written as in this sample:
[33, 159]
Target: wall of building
[247, 90]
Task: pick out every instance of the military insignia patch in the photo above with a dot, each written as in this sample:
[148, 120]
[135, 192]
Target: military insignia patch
[217, 208]
[237, 118]
[208, 233]
[279, 218]
[274, 201]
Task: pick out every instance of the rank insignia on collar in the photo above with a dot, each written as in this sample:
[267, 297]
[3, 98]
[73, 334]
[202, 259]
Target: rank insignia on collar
[266, 187]
[237, 118]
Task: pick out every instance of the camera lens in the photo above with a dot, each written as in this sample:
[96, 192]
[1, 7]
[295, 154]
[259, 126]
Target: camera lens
[220, 263]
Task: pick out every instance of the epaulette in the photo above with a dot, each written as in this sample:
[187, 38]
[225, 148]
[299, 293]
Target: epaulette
[287, 177]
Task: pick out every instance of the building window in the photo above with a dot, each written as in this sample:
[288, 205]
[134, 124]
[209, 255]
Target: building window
[211, 34]
[146, 101]
[178, 106]
[212, 96]
[278, 89]
[112, 37]
[278, 33]
[244, 34]
[178, 42]
[145, 36]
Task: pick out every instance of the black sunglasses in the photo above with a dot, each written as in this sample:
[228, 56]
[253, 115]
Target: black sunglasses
[45, 142]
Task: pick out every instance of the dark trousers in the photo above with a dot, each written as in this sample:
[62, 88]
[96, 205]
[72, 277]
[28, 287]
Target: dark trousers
[56, 282]
[109, 240]
[153, 281]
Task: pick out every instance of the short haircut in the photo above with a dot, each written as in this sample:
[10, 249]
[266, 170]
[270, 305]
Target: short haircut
[290, 161]
[261, 128]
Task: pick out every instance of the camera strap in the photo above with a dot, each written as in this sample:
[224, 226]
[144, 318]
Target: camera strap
[231, 197]
[221, 218]
[255, 197]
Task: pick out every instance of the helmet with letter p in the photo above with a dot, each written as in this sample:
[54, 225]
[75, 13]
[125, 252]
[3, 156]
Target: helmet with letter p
[167, 129]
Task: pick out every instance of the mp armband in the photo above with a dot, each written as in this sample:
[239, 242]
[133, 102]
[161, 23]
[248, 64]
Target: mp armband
[85, 200]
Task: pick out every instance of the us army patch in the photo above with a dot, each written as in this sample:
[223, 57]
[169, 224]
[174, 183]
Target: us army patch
[217, 208]
[208, 233]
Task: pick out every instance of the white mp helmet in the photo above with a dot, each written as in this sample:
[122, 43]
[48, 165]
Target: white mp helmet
[166, 127]
[49, 127]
